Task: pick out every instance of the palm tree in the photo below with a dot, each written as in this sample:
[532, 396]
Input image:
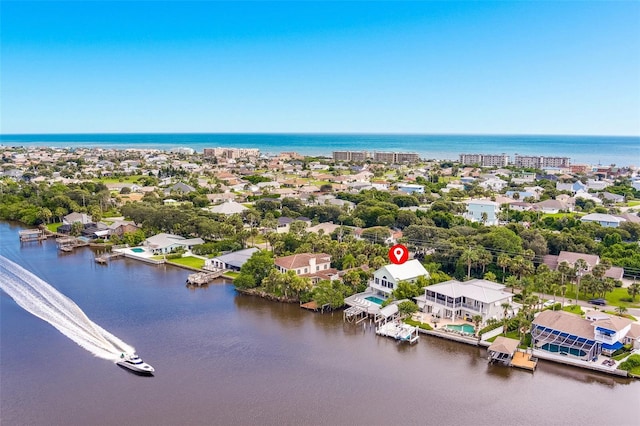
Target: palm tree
[505, 310]
[469, 256]
[484, 258]
[633, 290]
[512, 282]
[477, 320]
[563, 290]
[564, 268]
[580, 267]
[503, 261]
[621, 310]
[555, 289]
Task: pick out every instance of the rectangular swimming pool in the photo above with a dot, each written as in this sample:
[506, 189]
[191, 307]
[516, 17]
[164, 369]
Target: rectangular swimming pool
[137, 250]
[375, 300]
[465, 328]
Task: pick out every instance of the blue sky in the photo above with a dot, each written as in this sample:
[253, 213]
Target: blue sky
[568, 67]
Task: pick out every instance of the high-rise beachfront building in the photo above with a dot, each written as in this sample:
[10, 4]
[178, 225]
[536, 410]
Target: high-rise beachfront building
[355, 156]
[396, 157]
[539, 162]
[485, 160]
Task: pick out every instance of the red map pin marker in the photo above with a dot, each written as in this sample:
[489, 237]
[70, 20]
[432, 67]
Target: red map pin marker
[398, 254]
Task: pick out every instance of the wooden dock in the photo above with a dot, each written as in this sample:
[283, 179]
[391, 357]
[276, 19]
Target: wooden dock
[524, 360]
[104, 258]
[68, 244]
[203, 278]
[29, 235]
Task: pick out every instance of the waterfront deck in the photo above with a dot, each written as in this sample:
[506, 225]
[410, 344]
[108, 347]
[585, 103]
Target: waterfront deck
[524, 360]
[29, 235]
[203, 278]
[68, 244]
[104, 258]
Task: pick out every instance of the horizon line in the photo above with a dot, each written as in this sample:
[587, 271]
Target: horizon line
[326, 133]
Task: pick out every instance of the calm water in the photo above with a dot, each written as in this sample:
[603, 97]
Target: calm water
[606, 150]
[222, 358]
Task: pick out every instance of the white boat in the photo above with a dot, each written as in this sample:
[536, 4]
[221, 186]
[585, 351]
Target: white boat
[135, 363]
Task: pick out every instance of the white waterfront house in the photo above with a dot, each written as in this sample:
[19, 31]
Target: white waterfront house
[386, 279]
[454, 299]
[165, 243]
[483, 211]
[232, 261]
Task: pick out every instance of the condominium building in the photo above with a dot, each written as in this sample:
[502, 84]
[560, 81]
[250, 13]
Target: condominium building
[357, 156]
[485, 160]
[396, 157]
[539, 162]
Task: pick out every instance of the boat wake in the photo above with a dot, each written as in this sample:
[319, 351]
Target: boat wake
[42, 300]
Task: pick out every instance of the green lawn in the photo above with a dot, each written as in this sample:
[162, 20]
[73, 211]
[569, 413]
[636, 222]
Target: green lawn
[633, 203]
[53, 226]
[631, 317]
[418, 324]
[231, 274]
[510, 334]
[621, 356]
[574, 309]
[614, 298]
[193, 262]
[124, 179]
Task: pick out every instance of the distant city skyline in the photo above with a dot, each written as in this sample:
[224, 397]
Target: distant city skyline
[493, 68]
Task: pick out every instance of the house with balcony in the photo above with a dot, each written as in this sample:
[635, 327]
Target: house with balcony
[610, 332]
[483, 211]
[563, 333]
[386, 279]
[462, 300]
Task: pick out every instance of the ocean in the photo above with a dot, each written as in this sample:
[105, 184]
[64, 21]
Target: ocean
[594, 150]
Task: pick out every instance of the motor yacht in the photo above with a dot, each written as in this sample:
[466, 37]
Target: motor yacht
[135, 363]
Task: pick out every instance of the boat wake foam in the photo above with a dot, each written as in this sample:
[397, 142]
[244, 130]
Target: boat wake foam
[42, 300]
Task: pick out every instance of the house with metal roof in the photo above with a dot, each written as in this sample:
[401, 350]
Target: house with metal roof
[606, 220]
[386, 279]
[166, 243]
[454, 299]
[231, 261]
[228, 208]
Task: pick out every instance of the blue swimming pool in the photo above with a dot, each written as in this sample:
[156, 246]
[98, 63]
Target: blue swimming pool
[137, 250]
[465, 328]
[375, 300]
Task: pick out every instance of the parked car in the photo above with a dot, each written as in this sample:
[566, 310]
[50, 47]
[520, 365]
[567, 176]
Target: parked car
[600, 302]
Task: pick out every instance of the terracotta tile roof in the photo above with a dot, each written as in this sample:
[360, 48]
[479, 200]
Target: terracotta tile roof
[301, 260]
